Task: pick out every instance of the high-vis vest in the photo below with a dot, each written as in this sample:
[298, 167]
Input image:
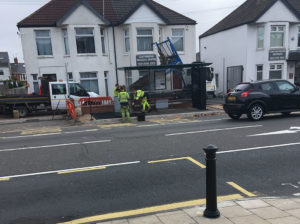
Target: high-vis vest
[116, 92]
[139, 94]
[123, 97]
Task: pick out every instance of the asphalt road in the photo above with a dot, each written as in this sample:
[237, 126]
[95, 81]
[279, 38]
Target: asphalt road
[56, 174]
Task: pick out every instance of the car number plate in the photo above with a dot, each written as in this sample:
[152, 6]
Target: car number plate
[231, 98]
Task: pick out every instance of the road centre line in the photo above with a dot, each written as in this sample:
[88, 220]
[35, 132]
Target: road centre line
[212, 130]
[259, 147]
[148, 210]
[70, 170]
[52, 146]
[46, 134]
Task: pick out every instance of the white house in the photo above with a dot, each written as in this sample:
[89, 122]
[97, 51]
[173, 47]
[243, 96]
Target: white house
[4, 66]
[87, 40]
[259, 40]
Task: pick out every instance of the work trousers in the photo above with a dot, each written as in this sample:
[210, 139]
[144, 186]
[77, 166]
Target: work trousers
[125, 112]
[145, 104]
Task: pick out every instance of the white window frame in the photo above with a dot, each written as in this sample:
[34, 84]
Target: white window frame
[260, 71]
[277, 30]
[160, 34]
[41, 38]
[138, 35]
[126, 40]
[103, 40]
[276, 67]
[66, 41]
[258, 37]
[178, 36]
[90, 78]
[85, 35]
[128, 78]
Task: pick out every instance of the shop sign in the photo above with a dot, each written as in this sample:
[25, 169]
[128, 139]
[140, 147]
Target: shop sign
[146, 60]
[277, 55]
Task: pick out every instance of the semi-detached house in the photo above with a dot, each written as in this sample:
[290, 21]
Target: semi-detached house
[259, 40]
[87, 40]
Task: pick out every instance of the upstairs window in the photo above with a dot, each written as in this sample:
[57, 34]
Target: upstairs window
[1, 72]
[102, 34]
[177, 39]
[66, 42]
[85, 40]
[277, 36]
[145, 39]
[260, 37]
[43, 42]
[126, 40]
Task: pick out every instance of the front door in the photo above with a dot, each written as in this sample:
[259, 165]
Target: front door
[50, 77]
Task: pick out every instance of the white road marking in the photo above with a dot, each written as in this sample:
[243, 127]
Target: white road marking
[52, 146]
[180, 122]
[212, 130]
[56, 133]
[73, 169]
[260, 147]
[290, 184]
[297, 194]
[292, 130]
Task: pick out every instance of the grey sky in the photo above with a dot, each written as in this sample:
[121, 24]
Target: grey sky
[206, 13]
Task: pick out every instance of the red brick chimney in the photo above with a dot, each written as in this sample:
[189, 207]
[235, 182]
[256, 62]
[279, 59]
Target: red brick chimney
[16, 60]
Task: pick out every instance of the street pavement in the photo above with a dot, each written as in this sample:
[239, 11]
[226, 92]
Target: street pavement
[58, 171]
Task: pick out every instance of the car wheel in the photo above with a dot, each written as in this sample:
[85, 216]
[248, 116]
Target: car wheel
[286, 114]
[255, 112]
[235, 116]
[23, 112]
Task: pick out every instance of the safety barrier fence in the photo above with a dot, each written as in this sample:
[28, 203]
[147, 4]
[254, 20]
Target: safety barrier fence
[71, 108]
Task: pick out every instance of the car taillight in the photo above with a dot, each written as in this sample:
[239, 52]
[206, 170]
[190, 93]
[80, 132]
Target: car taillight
[229, 91]
[246, 93]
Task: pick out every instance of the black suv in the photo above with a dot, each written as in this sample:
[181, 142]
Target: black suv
[258, 98]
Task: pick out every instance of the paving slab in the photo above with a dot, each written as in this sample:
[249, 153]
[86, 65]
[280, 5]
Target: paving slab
[234, 211]
[195, 211]
[269, 212]
[284, 220]
[251, 219]
[203, 220]
[251, 204]
[284, 204]
[150, 219]
[294, 212]
[178, 218]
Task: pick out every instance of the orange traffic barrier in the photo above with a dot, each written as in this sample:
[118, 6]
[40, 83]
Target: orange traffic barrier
[71, 109]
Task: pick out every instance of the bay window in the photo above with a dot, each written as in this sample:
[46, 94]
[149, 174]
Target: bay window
[277, 36]
[85, 40]
[145, 39]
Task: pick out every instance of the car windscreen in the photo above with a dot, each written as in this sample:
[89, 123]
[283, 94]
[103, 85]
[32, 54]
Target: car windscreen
[241, 87]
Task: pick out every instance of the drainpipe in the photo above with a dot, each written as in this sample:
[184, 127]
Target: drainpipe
[116, 66]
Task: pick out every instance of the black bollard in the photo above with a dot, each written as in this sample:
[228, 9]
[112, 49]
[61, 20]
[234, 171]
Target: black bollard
[211, 210]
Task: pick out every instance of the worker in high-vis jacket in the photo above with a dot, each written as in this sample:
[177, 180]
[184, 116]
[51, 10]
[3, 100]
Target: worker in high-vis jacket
[123, 97]
[139, 95]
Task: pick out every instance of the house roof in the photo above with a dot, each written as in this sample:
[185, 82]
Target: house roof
[18, 68]
[250, 12]
[4, 59]
[115, 12]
